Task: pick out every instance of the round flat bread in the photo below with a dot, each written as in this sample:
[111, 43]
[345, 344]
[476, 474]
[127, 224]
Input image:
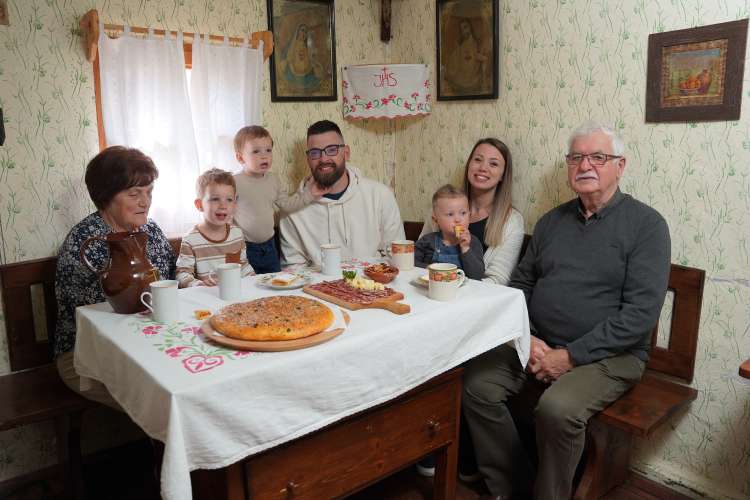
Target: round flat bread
[273, 318]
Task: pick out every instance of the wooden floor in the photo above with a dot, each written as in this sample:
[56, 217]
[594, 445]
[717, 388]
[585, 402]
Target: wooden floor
[126, 473]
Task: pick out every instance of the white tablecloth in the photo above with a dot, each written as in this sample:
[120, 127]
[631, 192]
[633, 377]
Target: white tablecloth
[213, 406]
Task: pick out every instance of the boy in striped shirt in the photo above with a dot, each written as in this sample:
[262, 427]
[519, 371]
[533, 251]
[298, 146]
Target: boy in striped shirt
[215, 240]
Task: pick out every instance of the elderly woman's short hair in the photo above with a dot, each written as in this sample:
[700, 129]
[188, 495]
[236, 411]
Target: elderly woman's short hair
[116, 169]
[588, 128]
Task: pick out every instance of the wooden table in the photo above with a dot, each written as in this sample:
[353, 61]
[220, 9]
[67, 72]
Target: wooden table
[353, 453]
[318, 423]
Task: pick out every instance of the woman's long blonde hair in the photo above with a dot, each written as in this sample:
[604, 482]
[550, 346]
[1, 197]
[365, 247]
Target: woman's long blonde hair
[502, 202]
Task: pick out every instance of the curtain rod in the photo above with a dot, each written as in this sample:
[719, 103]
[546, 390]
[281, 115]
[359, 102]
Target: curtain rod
[90, 25]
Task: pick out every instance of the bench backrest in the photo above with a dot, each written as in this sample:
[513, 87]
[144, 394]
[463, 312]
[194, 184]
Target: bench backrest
[24, 286]
[677, 359]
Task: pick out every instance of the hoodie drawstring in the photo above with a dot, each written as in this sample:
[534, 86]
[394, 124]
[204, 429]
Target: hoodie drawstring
[346, 228]
[343, 216]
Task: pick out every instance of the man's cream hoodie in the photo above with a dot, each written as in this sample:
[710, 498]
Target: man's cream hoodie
[363, 222]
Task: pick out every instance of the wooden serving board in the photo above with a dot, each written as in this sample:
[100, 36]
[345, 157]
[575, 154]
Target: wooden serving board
[389, 303]
[272, 345]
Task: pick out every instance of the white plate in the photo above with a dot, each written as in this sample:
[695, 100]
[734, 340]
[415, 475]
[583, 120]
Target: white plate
[265, 281]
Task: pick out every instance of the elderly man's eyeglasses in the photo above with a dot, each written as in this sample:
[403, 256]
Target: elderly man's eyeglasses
[330, 150]
[595, 159]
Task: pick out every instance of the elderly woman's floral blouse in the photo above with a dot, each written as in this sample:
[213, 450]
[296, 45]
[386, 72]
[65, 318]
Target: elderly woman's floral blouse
[76, 285]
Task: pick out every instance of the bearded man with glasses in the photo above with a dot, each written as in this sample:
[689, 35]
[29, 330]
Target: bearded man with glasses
[594, 275]
[359, 214]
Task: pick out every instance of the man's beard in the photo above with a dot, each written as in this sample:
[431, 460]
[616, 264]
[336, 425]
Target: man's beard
[328, 179]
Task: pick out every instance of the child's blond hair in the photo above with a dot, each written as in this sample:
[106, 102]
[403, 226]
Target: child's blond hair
[248, 133]
[448, 191]
[214, 176]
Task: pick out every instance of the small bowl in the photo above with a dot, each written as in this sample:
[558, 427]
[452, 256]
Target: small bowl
[382, 273]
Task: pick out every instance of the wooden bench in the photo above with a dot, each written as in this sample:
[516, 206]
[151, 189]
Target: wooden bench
[651, 402]
[33, 391]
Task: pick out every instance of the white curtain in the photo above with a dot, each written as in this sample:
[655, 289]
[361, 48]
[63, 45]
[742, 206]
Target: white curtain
[145, 105]
[225, 87]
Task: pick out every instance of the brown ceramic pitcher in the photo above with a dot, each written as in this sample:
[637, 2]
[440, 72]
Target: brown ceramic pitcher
[128, 271]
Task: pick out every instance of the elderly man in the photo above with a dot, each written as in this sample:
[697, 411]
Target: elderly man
[359, 214]
[595, 275]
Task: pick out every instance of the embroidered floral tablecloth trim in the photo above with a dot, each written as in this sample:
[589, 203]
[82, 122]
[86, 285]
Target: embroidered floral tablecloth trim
[186, 343]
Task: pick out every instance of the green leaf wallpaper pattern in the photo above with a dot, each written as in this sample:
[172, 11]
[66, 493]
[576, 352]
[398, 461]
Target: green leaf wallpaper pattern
[47, 96]
[565, 61]
[561, 62]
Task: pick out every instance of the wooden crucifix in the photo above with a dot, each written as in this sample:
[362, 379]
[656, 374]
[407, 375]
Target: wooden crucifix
[385, 20]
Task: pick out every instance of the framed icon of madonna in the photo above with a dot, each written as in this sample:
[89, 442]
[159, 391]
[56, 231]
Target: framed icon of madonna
[303, 63]
[467, 49]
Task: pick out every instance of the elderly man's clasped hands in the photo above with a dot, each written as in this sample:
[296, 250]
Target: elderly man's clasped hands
[547, 364]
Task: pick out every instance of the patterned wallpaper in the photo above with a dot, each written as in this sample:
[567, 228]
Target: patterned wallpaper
[47, 98]
[565, 61]
[561, 62]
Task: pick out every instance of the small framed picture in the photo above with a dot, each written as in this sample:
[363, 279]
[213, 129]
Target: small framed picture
[4, 13]
[696, 74]
[303, 63]
[467, 49]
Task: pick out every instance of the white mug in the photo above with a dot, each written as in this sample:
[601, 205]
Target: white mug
[401, 253]
[230, 281]
[163, 301]
[444, 281]
[330, 260]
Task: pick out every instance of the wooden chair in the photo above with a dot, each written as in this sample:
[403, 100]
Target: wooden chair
[33, 391]
[412, 229]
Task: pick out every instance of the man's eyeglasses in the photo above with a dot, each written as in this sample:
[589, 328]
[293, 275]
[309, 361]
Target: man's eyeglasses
[595, 159]
[330, 150]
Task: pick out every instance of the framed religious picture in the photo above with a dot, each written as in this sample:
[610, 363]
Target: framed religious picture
[303, 63]
[696, 74]
[4, 12]
[467, 49]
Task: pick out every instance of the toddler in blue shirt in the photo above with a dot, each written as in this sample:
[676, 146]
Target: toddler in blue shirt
[454, 243]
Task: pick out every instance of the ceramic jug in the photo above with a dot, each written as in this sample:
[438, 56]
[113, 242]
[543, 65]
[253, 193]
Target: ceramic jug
[128, 271]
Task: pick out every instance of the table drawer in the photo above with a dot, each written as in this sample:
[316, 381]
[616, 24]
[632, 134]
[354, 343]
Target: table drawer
[351, 454]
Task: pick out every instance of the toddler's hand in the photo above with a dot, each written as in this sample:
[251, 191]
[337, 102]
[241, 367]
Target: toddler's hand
[464, 241]
[209, 281]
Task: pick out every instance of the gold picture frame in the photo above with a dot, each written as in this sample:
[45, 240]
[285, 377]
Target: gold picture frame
[467, 49]
[303, 64]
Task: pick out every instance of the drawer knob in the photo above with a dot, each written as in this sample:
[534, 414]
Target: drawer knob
[433, 426]
[289, 490]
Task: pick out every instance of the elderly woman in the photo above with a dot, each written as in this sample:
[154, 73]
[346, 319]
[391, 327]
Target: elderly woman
[488, 181]
[120, 181]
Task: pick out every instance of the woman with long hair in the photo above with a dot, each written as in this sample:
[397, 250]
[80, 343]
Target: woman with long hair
[488, 182]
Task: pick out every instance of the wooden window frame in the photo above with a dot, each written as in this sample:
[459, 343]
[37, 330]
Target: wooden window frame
[89, 24]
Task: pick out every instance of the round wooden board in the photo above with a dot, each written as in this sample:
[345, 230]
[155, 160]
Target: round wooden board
[272, 345]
